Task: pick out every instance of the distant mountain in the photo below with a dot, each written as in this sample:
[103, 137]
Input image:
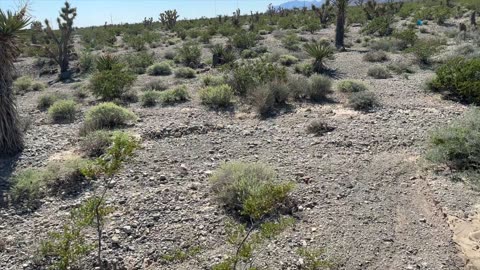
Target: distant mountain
[299, 4]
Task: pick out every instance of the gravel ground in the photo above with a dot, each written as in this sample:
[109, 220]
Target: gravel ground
[365, 192]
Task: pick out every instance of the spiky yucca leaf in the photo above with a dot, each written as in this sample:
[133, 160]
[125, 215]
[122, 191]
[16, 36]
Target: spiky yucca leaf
[320, 51]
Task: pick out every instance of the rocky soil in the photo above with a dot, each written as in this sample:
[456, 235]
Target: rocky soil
[365, 191]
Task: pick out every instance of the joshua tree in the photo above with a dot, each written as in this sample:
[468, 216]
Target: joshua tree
[37, 30]
[236, 18]
[169, 18]
[341, 18]
[62, 43]
[473, 20]
[11, 137]
[324, 12]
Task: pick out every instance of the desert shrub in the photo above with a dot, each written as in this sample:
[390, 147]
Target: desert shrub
[106, 116]
[138, 62]
[64, 177]
[266, 96]
[81, 91]
[248, 54]
[136, 42]
[38, 86]
[157, 85]
[320, 87]
[291, 41]
[176, 95]
[96, 143]
[407, 37]
[305, 69]
[320, 51]
[288, 60]
[190, 54]
[170, 55]
[379, 72]
[351, 87]
[375, 56]
[297, 86]
[222, 54]
[46, 100]
[63, 111]
[23, 84]
[244, 40]
[28, 187]
[385, 44]
[400, 67]
[217, 96]
[424, 49]
[380, 26]
[185, 72]
[251, 190]
[246, 76]
[107, 62]
[211, 80]
[150, 98]
[111, 83]
[459, 78]
[159, 69]
[362, 101]
[457, 144]
[87, 62]
[318, 127]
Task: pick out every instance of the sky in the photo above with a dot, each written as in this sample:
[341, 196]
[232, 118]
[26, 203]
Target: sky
[97, 12]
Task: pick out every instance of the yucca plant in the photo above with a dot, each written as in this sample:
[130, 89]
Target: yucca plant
[107, 62]
[11, 23]
[320, 51]
[222, 55]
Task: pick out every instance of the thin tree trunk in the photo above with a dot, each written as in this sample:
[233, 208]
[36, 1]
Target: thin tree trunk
[340, 27]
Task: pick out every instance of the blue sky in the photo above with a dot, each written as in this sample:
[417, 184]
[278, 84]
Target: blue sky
[96, 12]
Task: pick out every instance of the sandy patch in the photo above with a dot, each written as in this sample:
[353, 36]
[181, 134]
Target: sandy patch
[466, 234]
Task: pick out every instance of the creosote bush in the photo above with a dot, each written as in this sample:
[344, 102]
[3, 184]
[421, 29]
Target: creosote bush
[150, 98]
[173, 96]
[112, 82]
[458, 144]
[288, 60]
[375, 56]
[379, 72]
[362, 101]
[106, 116]
[458, 78]
[351, 86]
[27, 84]
[46, 100]
[251, 190]
[63, 111]
[190, 54]
[96, 143]
[217, 96]
[185, 72]
[160, 69]
[320, 87]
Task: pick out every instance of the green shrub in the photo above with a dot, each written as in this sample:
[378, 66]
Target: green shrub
[23, 84]
[362, 101]
[63, 111]
[288, 60]
[96, 143]
[87, 62]
[248, 54]
[38, 86]
[107, 62]
[47, 100]
[217, 96]
[138, 62]
[407, 37]
[246, 76]
[320, 87]
[190, 54]
[185, 72]
[160, 69]
[111, 84]
[291, 41]
[251, 190]
[222, 54]
[459, 78]
[424, 49]
[320, 51]
[380, 26]
[351, 87]
[401, 67]
[106, 116]
[150, 98]
[170, 55]
[305, 69]
[210, 80]
[28, 187]
[298, 86]
[375, 56]
[458, 144]
[157, 85]
[379, 72]
[265, 97]
[244, 40]
[176, 95]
